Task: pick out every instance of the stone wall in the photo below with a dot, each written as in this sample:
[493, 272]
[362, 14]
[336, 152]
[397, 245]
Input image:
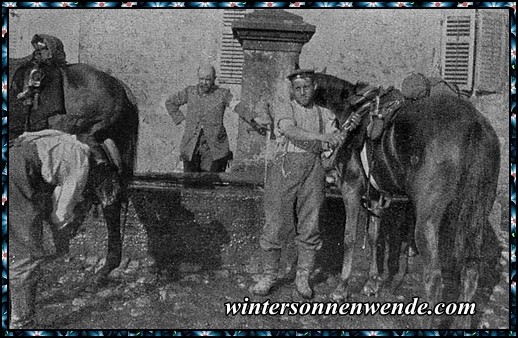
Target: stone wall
[157, 51]
[216, 226]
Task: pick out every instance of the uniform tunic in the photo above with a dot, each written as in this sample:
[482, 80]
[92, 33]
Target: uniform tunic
[294, 190]
[205, 113]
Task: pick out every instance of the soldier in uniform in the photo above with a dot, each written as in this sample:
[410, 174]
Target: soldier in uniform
[204, 146]
[294, 189]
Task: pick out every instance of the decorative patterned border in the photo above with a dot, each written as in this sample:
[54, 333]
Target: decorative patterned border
[512, 174]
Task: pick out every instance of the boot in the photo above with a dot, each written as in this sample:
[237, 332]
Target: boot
[23, 310]
[305, 265]
[270, 273]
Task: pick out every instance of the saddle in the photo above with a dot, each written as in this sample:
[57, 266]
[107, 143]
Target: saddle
[37, 92]
[382, 104]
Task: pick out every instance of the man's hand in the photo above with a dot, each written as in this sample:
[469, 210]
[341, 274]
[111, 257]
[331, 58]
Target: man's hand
[354, 122]
[262, 124]
[261, 121]
[331, 141]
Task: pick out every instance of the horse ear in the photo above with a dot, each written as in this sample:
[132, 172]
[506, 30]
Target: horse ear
[324, 71]
[35, 39]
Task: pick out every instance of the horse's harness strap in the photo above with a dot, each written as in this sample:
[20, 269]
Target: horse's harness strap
[31, 90]
[31, 94]
[385, 199]
[383, 114]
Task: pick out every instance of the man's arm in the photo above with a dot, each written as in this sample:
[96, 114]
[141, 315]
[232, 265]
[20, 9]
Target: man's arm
[173, 104]
[227, 97]
[295, 133]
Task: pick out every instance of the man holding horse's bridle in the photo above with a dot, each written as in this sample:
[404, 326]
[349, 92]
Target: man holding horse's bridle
[204, 145]
[294, 188]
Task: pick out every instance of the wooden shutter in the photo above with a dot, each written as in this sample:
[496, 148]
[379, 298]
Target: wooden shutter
[231, 59]
[458, 50]
[491, 49]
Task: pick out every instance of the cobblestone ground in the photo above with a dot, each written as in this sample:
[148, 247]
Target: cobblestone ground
[194, 296]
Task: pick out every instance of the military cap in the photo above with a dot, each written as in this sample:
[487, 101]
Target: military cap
[301, 74]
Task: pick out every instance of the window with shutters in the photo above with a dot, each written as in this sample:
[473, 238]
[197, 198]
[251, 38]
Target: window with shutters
[491, 52]
[474, 51]
[458, 50]
[231, 58]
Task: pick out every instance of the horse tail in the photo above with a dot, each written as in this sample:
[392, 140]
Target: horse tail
[132, 130]
[476, 192]
[128, 138]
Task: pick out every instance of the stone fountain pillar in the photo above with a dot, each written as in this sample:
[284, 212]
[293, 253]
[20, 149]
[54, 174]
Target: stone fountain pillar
[272, 41]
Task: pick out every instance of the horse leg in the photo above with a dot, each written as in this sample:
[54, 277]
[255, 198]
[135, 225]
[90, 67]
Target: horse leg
[408, 230]
[394, 237]
[374, 282]
[432, 276]
[382, 242]
[356, 215]
[472, 264]
[431, 208]
[353, 216]
[114, 254]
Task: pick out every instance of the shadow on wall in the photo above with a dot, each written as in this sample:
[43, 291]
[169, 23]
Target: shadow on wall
[174, 236]
[229, 237]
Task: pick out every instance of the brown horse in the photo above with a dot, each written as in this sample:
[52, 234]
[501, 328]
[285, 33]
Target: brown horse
[444, 156]
[81, 100]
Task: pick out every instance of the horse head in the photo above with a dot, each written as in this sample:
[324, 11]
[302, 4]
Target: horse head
[333, 93]
[105, 173]
[374, 105]
[105, 184]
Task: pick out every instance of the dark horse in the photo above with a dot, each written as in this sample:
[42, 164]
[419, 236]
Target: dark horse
[444, 156]
[84, 101]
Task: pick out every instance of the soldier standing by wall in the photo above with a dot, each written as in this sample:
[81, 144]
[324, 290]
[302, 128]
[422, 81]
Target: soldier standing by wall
[204, 146]
[294, 189]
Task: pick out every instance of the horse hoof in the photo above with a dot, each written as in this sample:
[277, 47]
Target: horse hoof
[340, 295]
[369, 292]
[371, 288]
[389, 287]
[337, 297]
[101, 280]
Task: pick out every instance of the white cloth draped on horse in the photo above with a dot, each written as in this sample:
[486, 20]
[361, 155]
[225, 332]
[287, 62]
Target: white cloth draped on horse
[65, 164]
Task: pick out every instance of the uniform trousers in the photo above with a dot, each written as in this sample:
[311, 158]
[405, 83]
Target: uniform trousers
[293, 199]
[29, 203]
[202, 160]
